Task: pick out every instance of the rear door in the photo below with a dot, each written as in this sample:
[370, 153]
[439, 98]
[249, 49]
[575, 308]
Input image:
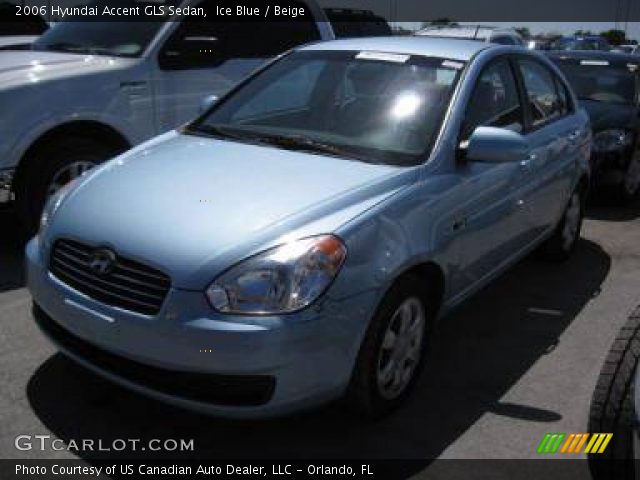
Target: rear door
[485, 223]
[554, 133]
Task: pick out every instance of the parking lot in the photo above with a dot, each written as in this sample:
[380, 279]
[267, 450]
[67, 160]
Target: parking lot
[518, 360]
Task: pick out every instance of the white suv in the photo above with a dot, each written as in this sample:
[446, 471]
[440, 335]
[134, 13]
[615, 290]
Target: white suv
[88, 91]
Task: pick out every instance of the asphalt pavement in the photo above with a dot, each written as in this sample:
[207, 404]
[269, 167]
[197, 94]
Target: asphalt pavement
[518, 360]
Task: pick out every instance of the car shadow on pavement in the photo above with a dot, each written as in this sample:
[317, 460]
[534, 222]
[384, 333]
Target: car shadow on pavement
[478, 353]
[606, 209]
[12, 242]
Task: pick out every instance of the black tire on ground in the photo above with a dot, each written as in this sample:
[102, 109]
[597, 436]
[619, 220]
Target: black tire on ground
[627, 192]
[42, 166]
[364, 396]
[612, 405]
[556, 248]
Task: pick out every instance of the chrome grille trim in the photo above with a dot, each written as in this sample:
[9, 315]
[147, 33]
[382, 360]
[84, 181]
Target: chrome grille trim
[131, 285]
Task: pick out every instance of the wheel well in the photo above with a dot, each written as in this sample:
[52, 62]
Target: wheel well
[583, 186]
[97, 131]
[429, 272]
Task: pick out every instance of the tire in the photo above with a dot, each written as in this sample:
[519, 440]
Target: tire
[630, 187]
[55, 163]
[612, 406]
[368, 395]
[561, 245]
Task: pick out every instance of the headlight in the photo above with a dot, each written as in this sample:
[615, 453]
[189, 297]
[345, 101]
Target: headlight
[281, 280]
[611, 140]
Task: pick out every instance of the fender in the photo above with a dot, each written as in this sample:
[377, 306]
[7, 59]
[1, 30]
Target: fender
[38, 128]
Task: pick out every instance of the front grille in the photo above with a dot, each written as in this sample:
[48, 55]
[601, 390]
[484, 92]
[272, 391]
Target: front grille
[129, 284]
[232, 390]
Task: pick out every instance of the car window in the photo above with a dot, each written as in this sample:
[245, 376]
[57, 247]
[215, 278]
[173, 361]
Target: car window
[495, 101]
[198, 43]
[381, 108]
[292, 92]
[503, 40]
[544, 102]
[602, 83]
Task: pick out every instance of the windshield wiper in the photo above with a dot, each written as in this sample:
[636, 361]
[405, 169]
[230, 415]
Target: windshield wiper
[217, 131]
[305, 144]
[286, 142]
[590, 99]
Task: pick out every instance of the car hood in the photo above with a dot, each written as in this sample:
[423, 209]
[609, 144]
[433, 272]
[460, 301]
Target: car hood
[606, 115]
[31, 67]
[193, 206]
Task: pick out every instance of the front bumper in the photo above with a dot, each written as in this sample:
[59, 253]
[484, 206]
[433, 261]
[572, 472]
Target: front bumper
[190, 356]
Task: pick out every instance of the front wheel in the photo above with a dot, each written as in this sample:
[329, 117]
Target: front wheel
[612, 406]
[393, 350]
[565, 238]
[630, 185]
[52, 167]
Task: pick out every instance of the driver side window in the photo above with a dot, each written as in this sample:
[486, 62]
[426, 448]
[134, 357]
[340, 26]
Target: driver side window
[495, 101]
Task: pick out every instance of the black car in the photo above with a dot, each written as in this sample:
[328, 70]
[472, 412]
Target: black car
[608, 86]
[350, 23]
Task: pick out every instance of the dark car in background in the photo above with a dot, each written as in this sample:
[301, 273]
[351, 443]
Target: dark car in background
[581, 42]
[350, 23]
[608, 87]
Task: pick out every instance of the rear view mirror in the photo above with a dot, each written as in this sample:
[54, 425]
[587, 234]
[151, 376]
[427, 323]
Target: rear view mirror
[496, 145]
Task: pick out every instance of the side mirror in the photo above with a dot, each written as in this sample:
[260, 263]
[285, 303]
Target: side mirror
[207, 103]
[496, 145]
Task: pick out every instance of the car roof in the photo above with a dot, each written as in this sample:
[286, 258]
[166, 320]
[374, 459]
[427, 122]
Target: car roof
[455, 49]
[614, 58]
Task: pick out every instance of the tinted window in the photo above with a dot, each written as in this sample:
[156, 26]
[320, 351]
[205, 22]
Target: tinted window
[124, 39]
[503, 40]
[198, 43]
[544, 102]
[602, 83]
[354, 23]
[369, 108]
[495, 101]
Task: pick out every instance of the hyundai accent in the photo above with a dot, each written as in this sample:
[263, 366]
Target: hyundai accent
[297, 242]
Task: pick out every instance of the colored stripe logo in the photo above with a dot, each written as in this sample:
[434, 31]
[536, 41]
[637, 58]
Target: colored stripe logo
[574, 443]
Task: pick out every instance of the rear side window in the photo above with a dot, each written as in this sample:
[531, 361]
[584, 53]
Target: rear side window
[545, 104]
[495, 101]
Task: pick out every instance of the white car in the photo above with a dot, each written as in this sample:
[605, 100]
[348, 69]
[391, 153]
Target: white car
[88, 91]
[482, 33]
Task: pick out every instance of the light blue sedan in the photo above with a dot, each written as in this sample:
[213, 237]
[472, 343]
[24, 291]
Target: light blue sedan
[297, 242]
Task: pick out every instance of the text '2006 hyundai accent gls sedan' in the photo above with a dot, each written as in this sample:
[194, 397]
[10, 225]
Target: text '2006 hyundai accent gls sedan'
[296, 243]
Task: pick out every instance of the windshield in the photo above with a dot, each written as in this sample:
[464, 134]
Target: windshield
[122, 39]
[602, 83]
[374, 107]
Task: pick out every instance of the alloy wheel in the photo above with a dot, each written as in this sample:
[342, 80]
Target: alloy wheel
[68, 173]
[401, 348]
[572, 219]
